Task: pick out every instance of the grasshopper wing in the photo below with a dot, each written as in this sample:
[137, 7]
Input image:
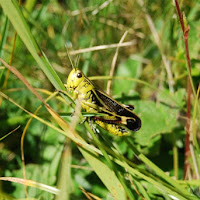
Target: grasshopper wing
[133, 121]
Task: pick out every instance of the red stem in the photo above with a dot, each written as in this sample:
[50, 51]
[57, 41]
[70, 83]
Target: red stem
[187, 137]
[180, 16]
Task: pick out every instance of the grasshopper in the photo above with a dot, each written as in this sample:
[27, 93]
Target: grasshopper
[118, 119]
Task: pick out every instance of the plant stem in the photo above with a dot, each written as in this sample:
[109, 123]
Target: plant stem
[185, 29]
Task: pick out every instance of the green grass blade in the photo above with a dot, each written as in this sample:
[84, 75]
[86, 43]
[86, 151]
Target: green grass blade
[12, 10]
[3, 41]
[107, 176]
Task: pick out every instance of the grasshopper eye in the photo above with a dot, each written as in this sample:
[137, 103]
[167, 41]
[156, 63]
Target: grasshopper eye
[79, 75]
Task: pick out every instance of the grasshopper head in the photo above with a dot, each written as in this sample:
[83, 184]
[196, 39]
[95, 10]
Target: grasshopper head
[75, 77]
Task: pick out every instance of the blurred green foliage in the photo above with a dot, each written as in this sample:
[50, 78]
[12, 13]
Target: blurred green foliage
[56, 24]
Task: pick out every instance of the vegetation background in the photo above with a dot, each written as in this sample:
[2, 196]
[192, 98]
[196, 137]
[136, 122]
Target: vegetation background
[142, 42]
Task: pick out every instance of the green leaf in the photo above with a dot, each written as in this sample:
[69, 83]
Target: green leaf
[156, 119]
[129, 68]
[176, 99]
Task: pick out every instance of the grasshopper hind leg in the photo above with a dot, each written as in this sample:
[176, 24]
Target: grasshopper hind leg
[133, 125]
[115, 129]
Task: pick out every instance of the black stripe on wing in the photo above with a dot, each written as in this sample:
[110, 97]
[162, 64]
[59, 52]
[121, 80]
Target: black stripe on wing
[109, 103]
[113, 106]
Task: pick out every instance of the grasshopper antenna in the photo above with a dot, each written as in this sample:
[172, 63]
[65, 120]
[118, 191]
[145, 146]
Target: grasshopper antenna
[77, 61]
[67, 48]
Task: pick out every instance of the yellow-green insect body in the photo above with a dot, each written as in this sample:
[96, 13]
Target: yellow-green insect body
[113, 128]
[82, 89]
[118, 119]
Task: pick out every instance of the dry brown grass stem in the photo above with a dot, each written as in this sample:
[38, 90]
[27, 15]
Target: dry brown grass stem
[155, 34]
[121, 27]
[80, 11]
[102, 6]
[101, 47]
[114, 63]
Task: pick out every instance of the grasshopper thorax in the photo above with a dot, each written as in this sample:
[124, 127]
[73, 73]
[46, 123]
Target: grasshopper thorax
[75, 77]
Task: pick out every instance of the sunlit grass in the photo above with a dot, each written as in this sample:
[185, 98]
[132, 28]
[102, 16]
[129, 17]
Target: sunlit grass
[136, 47]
